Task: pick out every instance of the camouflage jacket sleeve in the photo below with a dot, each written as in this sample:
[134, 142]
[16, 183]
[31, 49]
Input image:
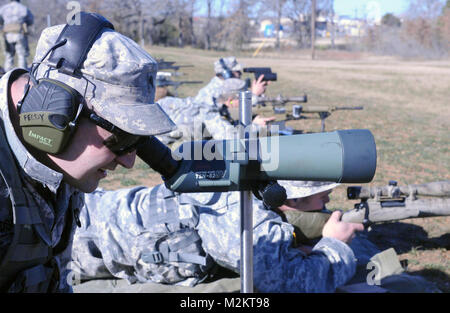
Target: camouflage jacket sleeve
[188, 117]
[210, 91]
[114, 233]
[216, 126]
[104, 245]
[278, 267]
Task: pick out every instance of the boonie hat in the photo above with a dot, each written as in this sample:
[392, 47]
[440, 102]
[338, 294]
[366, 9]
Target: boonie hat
[121, 87]
[302, 189]
[231, 64]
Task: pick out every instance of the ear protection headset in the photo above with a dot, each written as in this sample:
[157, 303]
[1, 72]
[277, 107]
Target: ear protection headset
[49, 110]
[226, 73]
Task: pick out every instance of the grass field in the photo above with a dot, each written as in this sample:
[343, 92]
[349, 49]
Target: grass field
[406, 107]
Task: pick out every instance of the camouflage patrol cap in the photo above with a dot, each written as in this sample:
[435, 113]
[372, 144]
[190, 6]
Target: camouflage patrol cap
[302, 189]
[231, 64]
[121, 77]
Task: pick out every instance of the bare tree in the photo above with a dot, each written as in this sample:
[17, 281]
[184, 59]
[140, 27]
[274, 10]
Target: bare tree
[279, 4]
[420, 33]
[209, 4]
[184, 15]
[236, 27]
[298, 11]
[313, 29]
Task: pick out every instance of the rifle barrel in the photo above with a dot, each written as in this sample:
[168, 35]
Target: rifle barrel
[349, 108]
[432, 189]
[326, 108]
[190, 82]
[164, 83]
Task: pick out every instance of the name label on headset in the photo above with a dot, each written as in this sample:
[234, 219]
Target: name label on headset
[33, 116]
[43, 140]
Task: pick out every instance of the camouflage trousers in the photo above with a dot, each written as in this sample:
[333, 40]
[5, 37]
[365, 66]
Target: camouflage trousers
[15, 43]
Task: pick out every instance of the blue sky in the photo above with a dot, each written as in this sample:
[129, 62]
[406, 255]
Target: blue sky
[361, 8]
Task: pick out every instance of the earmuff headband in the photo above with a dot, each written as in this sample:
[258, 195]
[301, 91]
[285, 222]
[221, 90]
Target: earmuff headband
[79, 40]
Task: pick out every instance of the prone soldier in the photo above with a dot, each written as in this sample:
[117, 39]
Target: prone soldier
[227, 68]
[198, 120]
[281, 262]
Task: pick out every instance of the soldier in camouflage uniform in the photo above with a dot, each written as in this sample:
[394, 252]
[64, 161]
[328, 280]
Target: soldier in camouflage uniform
[306, 197]
[105, 243]
[213, 90]
[41, 193]
[107, 249]
[15, 18]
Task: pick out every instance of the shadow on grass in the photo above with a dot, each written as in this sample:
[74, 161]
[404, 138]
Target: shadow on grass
[404, 237]
[440, 278]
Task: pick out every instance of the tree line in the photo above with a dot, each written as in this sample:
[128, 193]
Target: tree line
[422, 30]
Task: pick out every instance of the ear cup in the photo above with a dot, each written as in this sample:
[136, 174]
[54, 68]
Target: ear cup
[47, 115]
[226, 73]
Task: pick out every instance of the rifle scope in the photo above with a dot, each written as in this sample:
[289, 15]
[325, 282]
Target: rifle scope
[431, 189]
[345, 156]
[258, 71]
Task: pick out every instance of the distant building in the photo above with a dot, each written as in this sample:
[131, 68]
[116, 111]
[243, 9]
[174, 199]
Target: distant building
[347, 26]
[268, 29]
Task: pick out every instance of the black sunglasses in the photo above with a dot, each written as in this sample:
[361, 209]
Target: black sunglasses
[120, 142]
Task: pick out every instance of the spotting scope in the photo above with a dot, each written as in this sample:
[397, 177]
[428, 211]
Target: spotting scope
[343, 156]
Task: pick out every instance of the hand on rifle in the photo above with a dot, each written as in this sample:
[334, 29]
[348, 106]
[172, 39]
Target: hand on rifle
[342, 231]
[262, 121]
